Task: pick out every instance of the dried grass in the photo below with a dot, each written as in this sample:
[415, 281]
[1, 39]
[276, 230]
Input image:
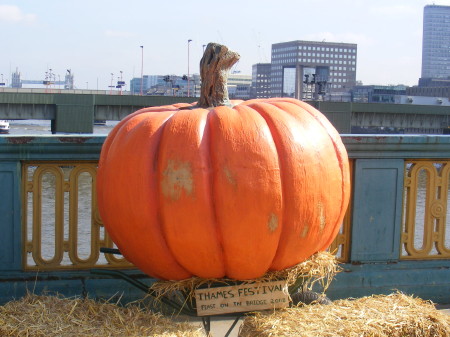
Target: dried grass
[320, 268]
[394, 315]
[51, 316]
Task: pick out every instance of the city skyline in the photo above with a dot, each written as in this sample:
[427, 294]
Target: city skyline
[97, 39]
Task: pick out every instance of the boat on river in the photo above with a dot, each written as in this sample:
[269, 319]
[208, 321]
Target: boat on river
[4, 126]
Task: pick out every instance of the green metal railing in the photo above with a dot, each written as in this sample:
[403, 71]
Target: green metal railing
[61, 221]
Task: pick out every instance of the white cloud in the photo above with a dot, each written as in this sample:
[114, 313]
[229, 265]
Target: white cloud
[115, 33]
[14, 14]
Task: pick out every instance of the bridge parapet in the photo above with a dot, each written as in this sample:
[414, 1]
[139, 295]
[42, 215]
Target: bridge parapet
[392, 240]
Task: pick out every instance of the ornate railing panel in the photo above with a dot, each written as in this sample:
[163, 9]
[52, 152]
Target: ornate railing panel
[426, 219]
[61, 225]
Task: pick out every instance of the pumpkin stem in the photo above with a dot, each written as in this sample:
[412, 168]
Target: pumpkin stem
[214, 67]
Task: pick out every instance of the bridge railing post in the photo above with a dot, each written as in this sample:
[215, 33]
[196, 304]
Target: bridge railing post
[10, 219]
[377, 210]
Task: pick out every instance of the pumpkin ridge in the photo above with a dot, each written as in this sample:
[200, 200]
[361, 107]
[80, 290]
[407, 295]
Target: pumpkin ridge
[131, 140]
[104, 154]
[242, 149]
[157, 193]
[209, 128]
[278, 118]
[258, 106]
[343, 164]
[275, 214]
[185, 201]
[158, 222]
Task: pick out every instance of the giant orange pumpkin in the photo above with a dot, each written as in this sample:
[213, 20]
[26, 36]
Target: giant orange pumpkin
[222, 191]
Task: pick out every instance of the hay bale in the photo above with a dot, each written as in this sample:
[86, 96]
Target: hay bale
[319, 268]
[51, 316]
[376, 316]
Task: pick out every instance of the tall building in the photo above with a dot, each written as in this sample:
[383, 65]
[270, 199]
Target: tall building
[15, 79]
[261, 80]
[309, 69]
[436, 42]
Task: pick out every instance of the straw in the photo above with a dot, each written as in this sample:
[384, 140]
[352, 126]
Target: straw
[395, 315]
[320, 268]
[51, 316]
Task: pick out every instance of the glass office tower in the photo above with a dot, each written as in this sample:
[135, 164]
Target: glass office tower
[436, 42]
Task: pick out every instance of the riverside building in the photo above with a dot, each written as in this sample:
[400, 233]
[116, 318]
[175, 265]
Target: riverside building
[435, 43]
[261, 80]
[313, 70]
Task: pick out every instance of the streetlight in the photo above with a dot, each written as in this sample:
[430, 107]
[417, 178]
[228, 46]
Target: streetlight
[111, 86]
[120, 83]
[142, 69]
[189, 41]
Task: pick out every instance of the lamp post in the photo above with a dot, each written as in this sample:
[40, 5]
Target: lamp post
[111, 85]
[142, 69]
[120, 82]
[189, 41]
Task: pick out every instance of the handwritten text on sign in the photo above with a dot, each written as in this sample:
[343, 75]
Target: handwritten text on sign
[243, 297]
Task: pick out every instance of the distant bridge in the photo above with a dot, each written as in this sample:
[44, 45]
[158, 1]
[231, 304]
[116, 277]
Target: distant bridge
[76, 113]
[386, 118]
[43, 82]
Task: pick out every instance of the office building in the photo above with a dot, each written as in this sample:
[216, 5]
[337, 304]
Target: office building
[16, 82]
[313, 70]
[166, 85]
[261, 80]
[377, 93]
[436, 42]
[239, 86]
[147, 82]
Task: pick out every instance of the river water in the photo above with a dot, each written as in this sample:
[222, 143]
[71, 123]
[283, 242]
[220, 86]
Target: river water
[42, 127]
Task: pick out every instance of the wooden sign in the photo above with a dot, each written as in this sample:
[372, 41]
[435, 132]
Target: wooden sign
[243, 297]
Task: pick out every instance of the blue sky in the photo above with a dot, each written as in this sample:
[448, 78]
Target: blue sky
[96, 38]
